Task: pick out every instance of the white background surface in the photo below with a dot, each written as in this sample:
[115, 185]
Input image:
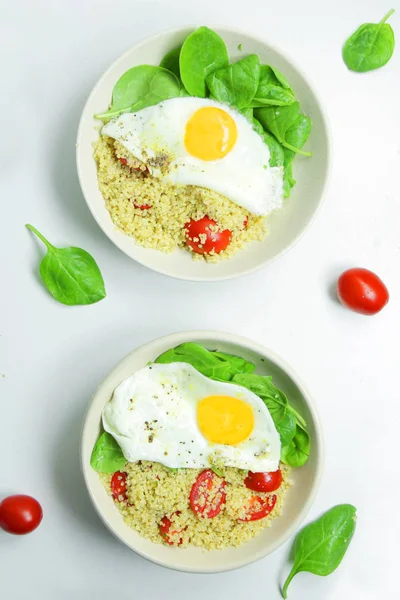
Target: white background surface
[53, 356]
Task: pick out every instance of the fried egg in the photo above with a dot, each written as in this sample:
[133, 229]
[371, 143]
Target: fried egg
[171, 414]
[196, 141]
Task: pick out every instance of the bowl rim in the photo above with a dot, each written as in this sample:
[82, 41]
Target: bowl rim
[324, 117]
[216, 336]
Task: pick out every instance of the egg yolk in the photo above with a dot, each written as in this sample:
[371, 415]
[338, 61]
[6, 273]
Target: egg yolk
[210, 133]
[224, 419]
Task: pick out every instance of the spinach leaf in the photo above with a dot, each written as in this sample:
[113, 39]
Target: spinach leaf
[286, 427]
[273, 89]
[258, 127]
[288, 181]
[215, 365]
[284, 416]
[171, 61]
[107, 456]
[203, 52]
[370, 47]
[281, 78]
[240, 364]
[236, 84]
[320, 547]
[247, 113]
[70, 274]
[296, 452]
[296, 136]
[140, 87]
[217, 471]
[278, 120]
[277, 156]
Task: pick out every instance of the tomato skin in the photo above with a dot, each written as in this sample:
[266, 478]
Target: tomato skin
[118, 486]
[208, 508]
[259, 508]
[142, 206]
[263, 482]
[362, 291]
[216, 241]
[20, 514]
[165, 531]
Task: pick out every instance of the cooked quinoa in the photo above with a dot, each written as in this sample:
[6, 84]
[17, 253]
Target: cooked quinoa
[154, 492]
[155, 214]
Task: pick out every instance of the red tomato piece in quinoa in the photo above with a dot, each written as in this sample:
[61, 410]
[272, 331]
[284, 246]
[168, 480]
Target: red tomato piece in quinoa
[258, 508]
[168, 534]
[204, 236]
[118, 486]
[207, 495]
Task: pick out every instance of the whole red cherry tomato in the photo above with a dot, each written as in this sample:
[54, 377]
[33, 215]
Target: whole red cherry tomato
[20, 514]
[214, 240]
[362, 291]
[263, 482]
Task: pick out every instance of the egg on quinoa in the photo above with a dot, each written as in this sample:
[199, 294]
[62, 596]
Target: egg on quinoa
[194, 460]
[187, 173]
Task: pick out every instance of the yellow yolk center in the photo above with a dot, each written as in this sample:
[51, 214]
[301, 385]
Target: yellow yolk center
[210, 133]
[224, 419]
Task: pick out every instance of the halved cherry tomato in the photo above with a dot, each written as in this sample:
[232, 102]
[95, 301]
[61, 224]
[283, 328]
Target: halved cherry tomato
[20, 514]
[263, 482]
[207, 495]
[166, 532]
[258, 508]
[142, 206]
[215, 239]
[362, 291]
[118, 486]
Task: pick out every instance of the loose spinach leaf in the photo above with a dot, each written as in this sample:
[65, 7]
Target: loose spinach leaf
[70, 274]
[273, 89]
[296, 452]
[107, 456]
[370, 47]
[171, 61]
[236, 84]
[140, 87]
[278, 120]
[203, 52]
[320, 547]
[215, 365]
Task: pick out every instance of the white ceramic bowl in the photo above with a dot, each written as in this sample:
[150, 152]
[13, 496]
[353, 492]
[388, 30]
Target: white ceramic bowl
[286, 226]
[298, 500]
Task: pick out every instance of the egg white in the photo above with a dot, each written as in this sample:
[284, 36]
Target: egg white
[152, 415]
[243, 175]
